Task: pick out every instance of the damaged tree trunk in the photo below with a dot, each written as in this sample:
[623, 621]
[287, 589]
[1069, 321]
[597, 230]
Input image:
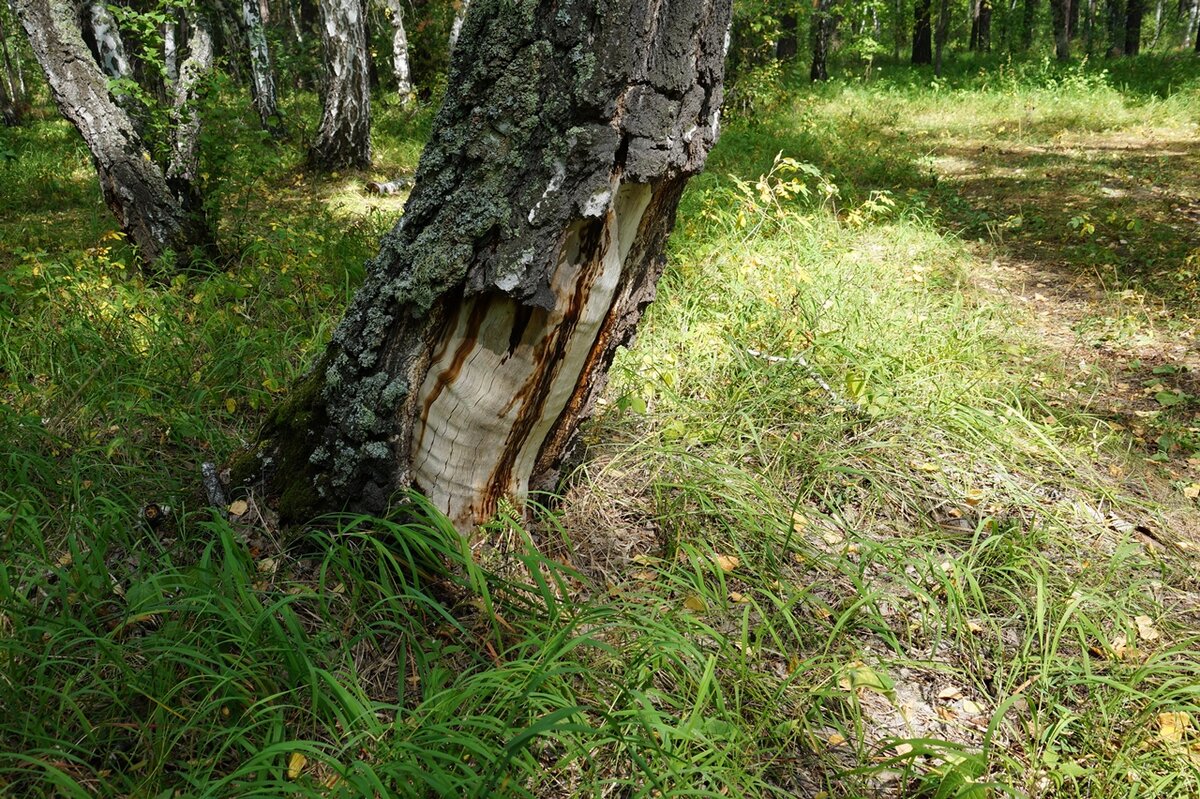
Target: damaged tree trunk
[531, 243]
[133, 185]
[344, 138]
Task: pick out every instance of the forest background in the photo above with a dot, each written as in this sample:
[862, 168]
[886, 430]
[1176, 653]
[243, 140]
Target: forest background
[895, 495]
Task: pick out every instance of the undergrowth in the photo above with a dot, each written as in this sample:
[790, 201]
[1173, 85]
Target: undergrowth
[844, 529]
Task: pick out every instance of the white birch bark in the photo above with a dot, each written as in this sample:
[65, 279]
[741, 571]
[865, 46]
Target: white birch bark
[460, 14]
[344, 137]
[170, 52]
[400, 68]
[1189, 32]
[262, 76]
[184, 167]
[110, 49]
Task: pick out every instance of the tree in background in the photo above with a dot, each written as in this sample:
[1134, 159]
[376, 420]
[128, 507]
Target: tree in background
[155, 201]
[262, 73]
[1061, 18]
[400, 61]
[922, 42]
[531, 243]
[941, 35]
[821, 28]
[344, 136]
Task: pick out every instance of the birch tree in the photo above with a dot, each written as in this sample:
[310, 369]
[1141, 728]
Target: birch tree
[262, 74]
[400, 64]
[344, 136]
[158, 217]
[529, 247]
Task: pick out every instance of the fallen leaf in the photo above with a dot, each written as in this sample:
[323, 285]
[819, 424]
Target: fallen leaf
[971, 708]
[695, 603]
[727, 563]
[836, 739]
[799, 522]
[950, 692]
[973, 497]
[739, 597]
[268, 566]
[974, 626]
[296, 763]
[1172, 726]
[1192, 491]
[1146, 630]
[238, 507]
[644, 575]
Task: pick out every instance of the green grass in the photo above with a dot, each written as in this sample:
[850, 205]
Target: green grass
[849, 523]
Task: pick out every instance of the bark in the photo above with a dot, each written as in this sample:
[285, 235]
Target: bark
[898, 31]
[1193, 17]
[1072, 19]
[460, 15]
[786, 46]
[262, 75]
[1027, 23]
[823, 23]
[110, 48]
[941, 35]
[400, 67]
[184, 169]
[10, 115]
[389, 187]
[344, 137]
[1062, 29]
[922, 47]
[133, 186]
[981, 26]
[1196, 46]
[1134, 11]
[528, 250]
[11, 112]
[170, 52]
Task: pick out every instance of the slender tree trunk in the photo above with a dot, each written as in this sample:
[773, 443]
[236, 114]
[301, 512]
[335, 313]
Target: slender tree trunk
[1193, 17]
[1159, 20]
[922, 48]
[898, 28]
[1028, 18]
[262, 75]
[344, 138]
[528, 250]
[973, 39]
[183, 172]
[1134, 11]
[460, 16]
[941, 36]
[170, 52]
[134, 187]
[786, 46]
[1196, 46]
[1073, 19]
[1062, 29]
[11, 111]
[400, 68]
[1089, 28]
[821, 34]
[10, 115]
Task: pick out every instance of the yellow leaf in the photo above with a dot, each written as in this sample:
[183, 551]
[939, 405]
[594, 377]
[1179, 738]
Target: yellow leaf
[231, 405]
[1192, 491]
[1172, 726]
[949, 692]
[799, 522]
[296, 763]
[836, 739]
[727, 563]
[238, 507]
[973, 497]
[972, 708]
[1146, 630]
[695, 604]
[268, 566]
[737, 596]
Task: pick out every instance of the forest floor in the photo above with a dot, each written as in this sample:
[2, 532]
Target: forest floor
[896, 494]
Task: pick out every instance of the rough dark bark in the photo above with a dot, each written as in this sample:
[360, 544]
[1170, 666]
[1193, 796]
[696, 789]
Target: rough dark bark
[530, 246]
[133, 186]
[922, 44]
[262, 74]
[1062, 28]
[1134, 11]
[821, 30]
[344, 137]
[786, 46]
[1028, 18]
[941, 36]
[981, 26]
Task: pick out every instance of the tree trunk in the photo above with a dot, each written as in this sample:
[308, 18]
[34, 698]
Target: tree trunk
[786, 46]
[981, 26]
[1134, 11]
[170, 52]
[1027, 23]
[941, 36]
[134, 187]
[184, 169]
[922, 47]
[262, 76]
[1072, 19]
[400, 67]
[344, 138]
[528, 250]
[1193, 17]
[11, 112]
[823, 23]
[460, 16]
[110, 48]
[1062, 29]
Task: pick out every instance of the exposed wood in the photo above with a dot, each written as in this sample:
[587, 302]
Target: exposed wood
[390, 187]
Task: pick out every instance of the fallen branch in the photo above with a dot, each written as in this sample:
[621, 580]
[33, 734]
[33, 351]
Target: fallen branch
[391, 187]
